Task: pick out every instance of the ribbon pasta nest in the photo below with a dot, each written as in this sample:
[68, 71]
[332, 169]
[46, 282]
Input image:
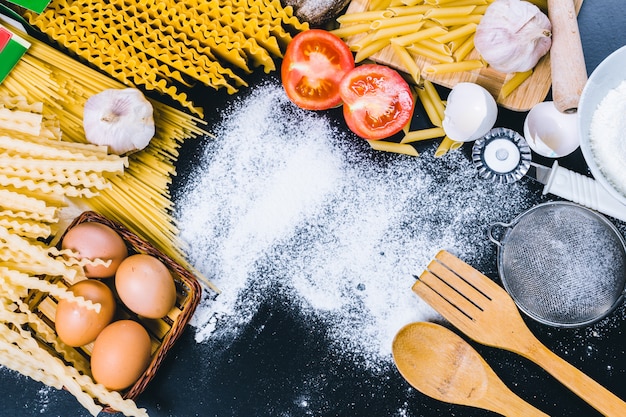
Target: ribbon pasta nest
[166, 45]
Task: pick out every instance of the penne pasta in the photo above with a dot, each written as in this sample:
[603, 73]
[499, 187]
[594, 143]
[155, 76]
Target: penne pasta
[420, 49]
[439, 2]
[512, 83]
[435, 46]
[457, 20]
[362, 42]
[351, 30]
[367, 16]
[480, 9]
[448, 12]
[430, 107]
[419, 35]
[381, 145]
[406, 20]
[423, 134]
[456, 3]
[409, 2]
[394, 31]
[444, 147]
[380, 4]
[457, 33]
[406, 10]
[408, 61]
[454, 67]
[463, 50]
[370, 49]
[434, 97]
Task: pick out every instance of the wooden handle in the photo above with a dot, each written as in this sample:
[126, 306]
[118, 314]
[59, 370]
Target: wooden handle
[503, 401]
[567, 61]
[579, 383]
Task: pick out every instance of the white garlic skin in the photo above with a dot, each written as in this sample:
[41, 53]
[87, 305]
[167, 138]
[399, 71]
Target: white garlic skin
[513, 35]
[121, 119]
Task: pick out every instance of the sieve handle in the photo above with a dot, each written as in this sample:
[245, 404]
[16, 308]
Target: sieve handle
[492, 232]
[583, 190]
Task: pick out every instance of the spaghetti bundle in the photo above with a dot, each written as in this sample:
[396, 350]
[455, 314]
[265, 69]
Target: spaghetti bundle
[138, 198]
[163, 45]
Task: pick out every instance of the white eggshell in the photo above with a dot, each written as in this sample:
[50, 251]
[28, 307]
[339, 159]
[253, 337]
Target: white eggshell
[549, 132]
[470, 112]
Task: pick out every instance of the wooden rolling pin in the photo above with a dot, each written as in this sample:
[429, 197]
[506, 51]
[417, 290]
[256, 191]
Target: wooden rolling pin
[567, 61]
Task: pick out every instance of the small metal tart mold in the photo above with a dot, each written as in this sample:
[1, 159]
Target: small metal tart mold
[502, 156]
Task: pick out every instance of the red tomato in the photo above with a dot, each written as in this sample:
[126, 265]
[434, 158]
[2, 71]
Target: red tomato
[314, 64]
[377, 101]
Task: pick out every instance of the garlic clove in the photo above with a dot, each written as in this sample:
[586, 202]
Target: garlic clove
[121, 119]
[513, 35]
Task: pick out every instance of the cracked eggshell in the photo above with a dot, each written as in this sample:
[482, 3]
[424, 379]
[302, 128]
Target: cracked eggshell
[549, 132]
[121, 119]
[470, 112]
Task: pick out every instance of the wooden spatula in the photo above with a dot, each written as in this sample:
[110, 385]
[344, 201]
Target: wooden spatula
[484, 311]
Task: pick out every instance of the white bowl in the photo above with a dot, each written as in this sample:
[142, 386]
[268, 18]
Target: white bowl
[608, 75]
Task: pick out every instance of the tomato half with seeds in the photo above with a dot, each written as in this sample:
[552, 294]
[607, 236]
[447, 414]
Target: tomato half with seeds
[377, 101]
[315, 62]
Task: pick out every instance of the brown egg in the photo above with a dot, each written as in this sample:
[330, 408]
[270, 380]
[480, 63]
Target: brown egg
[145, 286]
[77, 325]
[96, 240]
[120, 355]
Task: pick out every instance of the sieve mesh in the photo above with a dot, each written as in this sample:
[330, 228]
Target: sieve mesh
[563, 264]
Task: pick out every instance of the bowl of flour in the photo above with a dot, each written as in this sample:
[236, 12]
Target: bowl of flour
[602, 123]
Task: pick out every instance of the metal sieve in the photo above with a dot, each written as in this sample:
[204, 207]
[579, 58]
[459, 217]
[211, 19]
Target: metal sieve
[564, 265]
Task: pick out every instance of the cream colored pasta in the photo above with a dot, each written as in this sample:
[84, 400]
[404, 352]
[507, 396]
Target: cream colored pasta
[391, 32]
[423, 134]
[385, 146]
[513, 82]
[460, 32]
[454, 67]
[161, 45]
[429, 106]
[407, 60]
[419, 35]
[49, 77]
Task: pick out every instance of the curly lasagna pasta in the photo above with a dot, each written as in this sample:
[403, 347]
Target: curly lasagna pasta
[164, 45]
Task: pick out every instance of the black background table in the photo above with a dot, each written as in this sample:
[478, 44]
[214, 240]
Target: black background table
[257, 374]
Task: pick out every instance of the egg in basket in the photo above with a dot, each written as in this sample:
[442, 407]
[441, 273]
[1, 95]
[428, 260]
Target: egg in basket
[132, 337]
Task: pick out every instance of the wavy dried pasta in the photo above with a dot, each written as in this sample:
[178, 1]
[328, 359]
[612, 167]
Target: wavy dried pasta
[140, 197]
[28, 256]
[20, 352]
[165, 45]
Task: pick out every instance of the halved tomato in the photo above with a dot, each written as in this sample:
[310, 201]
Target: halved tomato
[314, 64]
[377, 101]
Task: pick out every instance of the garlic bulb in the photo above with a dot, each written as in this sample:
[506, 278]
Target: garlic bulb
[513, 35]
[121, 119]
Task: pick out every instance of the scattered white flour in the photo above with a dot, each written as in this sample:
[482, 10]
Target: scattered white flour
[608, 136]
[284, 201]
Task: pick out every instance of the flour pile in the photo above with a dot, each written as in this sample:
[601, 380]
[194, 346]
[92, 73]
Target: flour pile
[607, 137]
[284, 201]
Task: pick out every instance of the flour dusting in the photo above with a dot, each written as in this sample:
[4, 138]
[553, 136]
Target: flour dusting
[608, 137]
[285, 202]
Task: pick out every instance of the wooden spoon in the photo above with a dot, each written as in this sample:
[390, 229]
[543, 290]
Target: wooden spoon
[440, 364]
[567, 61]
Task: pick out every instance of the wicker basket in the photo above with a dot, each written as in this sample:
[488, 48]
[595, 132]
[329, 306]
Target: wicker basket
[163, 332]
